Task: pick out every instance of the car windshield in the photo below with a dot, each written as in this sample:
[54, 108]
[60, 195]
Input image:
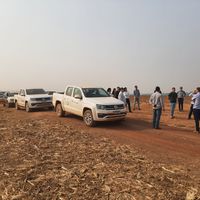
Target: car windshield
[95, 92]
[35, 91]
[12, 94]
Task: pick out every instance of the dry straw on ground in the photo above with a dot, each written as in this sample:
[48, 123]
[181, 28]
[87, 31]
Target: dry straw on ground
[40, 160]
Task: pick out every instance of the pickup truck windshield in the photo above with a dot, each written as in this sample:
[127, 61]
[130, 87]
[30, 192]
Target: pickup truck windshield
[35, 91]
[12, 94]
[95, 92]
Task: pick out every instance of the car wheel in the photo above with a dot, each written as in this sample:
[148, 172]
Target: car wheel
[7, 105]
[59, 110]
[88, 118]
[16, 106]
[27, 108]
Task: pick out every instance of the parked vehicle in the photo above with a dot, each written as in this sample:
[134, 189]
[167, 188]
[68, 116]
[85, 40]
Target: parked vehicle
[9, 99]
[93, 104]
[1, 97]
[51, 92]
[30, 99]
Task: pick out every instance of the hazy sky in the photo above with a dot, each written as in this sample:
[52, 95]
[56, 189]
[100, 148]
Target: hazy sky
[51, 43]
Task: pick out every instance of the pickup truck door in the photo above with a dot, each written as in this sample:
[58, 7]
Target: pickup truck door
[77, 102]
[67, 101]
[21, 98]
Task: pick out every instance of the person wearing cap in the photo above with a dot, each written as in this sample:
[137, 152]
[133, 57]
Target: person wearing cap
[181, 95]
[196, 109]
[156, 100]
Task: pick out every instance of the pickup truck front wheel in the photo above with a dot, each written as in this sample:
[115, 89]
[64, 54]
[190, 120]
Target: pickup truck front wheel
[27, 108]
[88, 118]
[59, 110]
[16, 106]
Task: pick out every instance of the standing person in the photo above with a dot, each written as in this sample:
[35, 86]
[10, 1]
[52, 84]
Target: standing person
[109, 91]
[117, 92]
[136, 94]
[192, 104]
[127, 96]
[121, 96]
[172, 99]
[181, 95]
[196, 109]
[156, 100]
[113, 92]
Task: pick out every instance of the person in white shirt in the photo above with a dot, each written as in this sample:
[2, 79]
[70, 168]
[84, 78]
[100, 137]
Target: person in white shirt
[156, 100]
[121, 96]
[127, 96]
[196, 109]
[192, 104]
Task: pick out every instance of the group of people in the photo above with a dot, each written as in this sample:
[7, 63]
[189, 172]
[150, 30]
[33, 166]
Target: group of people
[122, 94]
[157, 102]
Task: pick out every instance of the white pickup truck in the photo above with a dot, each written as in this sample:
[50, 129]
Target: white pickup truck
[93, 104]
[29, 99]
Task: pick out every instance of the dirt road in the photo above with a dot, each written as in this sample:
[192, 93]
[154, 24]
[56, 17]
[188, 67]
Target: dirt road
[175, 143]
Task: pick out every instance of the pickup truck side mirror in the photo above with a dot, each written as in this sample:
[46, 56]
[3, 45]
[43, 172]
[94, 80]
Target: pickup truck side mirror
[78, 96]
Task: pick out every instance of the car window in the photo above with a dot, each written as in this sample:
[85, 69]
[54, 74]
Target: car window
[77, 91]
[95, 92]
[69, 91]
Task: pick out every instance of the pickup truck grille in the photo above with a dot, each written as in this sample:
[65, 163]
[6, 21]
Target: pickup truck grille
[114, 107]
[43, 99]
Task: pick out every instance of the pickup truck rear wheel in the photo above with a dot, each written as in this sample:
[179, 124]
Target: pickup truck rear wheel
[88, 118]
[59, 110]
[27, 108]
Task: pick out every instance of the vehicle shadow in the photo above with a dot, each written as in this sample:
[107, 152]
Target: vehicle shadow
[122, 125]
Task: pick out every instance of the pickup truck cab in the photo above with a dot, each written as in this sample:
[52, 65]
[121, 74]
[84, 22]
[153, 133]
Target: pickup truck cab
[93, 104]
[29, 99]
[9, 99]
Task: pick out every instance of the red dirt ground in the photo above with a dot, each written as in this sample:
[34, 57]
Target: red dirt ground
[175, 143]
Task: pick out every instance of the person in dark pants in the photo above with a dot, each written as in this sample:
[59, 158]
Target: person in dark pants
[156, 100]
[127, 96]
[192, 104]
[196, 109]
[136, 94]
[181, 95]
[116, 94]
[172, 99]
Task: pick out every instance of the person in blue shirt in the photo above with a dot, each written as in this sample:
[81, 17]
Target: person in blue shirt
[196, 109]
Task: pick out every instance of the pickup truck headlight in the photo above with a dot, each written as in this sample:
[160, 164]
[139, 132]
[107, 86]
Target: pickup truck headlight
[101, 107]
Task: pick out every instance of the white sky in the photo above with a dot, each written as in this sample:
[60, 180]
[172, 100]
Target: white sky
[108, 43]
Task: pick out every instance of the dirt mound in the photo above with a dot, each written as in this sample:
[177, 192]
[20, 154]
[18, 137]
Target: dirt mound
[45, 160]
